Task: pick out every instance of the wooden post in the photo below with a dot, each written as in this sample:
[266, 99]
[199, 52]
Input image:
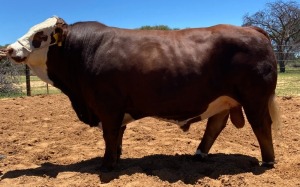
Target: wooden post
[27, 73]
[47, 88]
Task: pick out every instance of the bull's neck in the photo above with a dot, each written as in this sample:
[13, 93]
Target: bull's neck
[41, 72]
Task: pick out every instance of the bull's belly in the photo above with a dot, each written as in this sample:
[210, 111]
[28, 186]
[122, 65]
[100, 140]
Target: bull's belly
[220, 104]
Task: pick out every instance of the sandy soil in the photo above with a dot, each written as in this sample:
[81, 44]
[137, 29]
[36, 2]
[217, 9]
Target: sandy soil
[46, 145]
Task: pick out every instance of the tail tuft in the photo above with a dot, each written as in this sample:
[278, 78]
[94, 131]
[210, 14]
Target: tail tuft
[275, 115]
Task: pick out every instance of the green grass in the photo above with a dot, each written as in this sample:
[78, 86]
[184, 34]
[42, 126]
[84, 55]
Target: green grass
[288, 83]
[11, 95]
[32, 78]
[38, 87]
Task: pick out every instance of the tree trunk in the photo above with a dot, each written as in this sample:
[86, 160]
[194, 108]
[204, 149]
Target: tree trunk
[281, 59]
[281, 66]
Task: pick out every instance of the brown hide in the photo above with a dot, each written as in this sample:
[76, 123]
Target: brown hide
[107, 72]
[171, 74]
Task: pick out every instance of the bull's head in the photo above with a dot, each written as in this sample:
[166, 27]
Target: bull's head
[32, 48]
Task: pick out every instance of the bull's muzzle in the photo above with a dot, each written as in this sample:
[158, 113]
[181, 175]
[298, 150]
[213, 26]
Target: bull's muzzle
[8, 53]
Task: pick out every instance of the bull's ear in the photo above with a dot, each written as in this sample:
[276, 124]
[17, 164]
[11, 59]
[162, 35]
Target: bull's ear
[60, 32]
[58, 36]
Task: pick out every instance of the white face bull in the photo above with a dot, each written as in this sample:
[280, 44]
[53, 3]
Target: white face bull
[32, 48]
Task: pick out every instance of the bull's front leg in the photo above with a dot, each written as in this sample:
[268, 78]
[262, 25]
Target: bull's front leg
[112, 133]
[120, 140]
[215, 125]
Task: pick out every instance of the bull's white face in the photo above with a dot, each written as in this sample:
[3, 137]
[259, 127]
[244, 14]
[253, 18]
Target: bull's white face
[32, 48]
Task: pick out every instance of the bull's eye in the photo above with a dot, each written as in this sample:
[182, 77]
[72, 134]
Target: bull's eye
[38, 38]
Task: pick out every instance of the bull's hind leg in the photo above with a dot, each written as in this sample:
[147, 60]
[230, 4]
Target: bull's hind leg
[215, 125]
[261, 122]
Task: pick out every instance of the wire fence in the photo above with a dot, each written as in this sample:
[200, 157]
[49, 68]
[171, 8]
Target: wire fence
[13, 82]
[37, 87]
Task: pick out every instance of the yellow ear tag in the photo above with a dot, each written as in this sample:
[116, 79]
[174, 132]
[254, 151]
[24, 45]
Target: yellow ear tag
[55, 36]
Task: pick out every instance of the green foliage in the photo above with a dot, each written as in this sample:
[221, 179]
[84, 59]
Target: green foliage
[156, 27]
[8, 78]
[288, 83]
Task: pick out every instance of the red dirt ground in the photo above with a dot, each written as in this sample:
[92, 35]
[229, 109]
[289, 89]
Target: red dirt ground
[46, 145]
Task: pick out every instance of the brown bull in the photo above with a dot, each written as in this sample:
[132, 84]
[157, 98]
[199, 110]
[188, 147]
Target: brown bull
[113, 76]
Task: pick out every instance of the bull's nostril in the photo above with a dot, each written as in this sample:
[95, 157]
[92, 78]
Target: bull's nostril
[19, 59]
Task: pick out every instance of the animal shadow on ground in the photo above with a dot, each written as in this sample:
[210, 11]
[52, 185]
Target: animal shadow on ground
[169, 168]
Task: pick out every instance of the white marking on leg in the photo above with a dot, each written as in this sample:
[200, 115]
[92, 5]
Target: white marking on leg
[220, 104]
[268, 163]
[203, 155]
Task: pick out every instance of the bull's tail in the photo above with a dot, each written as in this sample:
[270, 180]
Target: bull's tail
[275, 114]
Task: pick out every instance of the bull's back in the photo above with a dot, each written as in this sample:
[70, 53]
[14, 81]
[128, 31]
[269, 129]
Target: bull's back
[181, 72]
[197, 65]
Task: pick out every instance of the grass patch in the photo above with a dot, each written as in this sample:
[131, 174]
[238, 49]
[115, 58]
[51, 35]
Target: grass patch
[288, 83]
[11, 95]
[32, 78]
[38, 87]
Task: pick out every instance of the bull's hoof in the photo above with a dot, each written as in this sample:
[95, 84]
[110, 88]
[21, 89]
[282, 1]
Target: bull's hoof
[185, 127]
[268, 165]
[199, 156]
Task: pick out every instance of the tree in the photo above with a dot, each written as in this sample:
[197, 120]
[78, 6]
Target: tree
[282, 21]
[8, 78]
[157, 27]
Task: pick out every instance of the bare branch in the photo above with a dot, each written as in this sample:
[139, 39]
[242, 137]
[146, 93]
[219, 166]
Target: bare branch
[282, 21]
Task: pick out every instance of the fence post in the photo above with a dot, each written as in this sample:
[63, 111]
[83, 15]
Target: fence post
[47, 88]
[27, 73]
